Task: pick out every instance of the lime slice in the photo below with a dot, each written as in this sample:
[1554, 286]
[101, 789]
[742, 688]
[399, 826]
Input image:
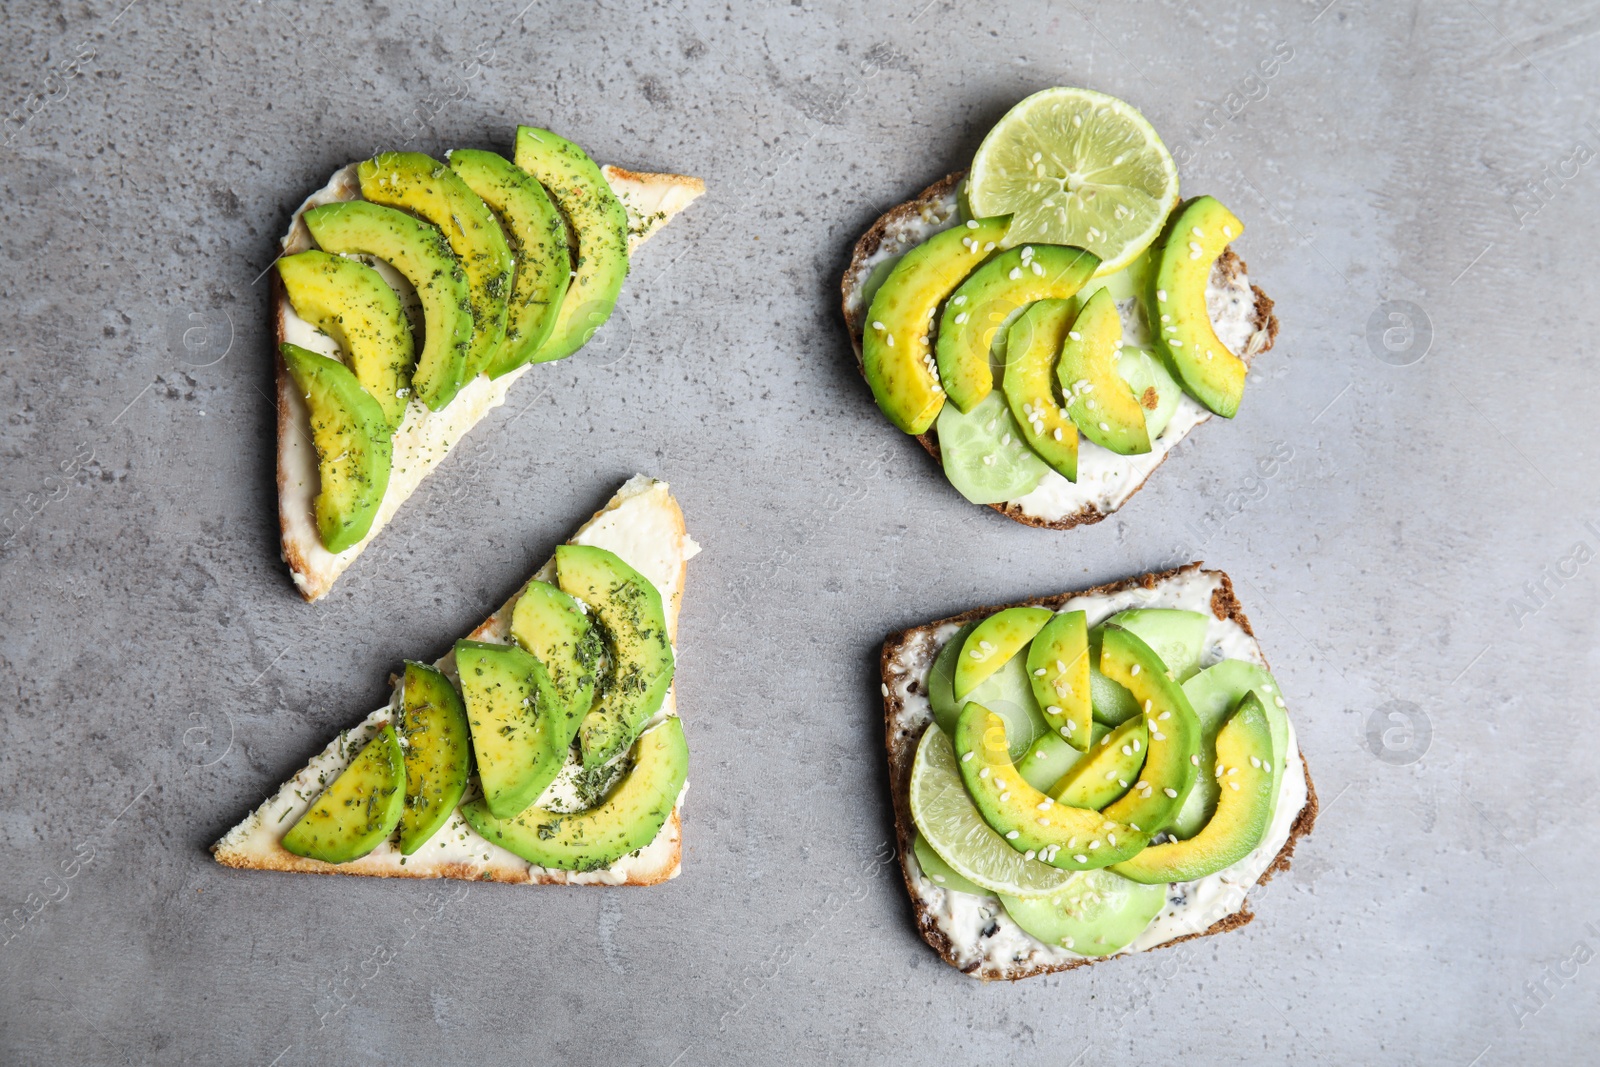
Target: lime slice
[1076, 167]
[984, 454]
[952, 827]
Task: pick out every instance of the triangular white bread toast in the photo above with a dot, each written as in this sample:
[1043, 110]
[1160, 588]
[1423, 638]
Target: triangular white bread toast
[1240, 312]
[974, 933]
[644, 526]
[425, 437]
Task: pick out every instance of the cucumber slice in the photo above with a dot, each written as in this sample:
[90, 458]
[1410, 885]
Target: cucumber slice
[1095, 915]
[938, 871]
[984, 454]
[1158, 391]
[1006, 692]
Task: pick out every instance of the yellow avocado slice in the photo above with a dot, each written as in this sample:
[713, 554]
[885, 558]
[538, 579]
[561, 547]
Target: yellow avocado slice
[1198, 234]
[993, 642]
[1058, 671]
[359, 810]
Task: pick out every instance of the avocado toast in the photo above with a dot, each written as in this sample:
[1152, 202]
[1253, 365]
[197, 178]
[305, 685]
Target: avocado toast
[972, 326]
[410, 295]
[544, 748]
[1049, 815]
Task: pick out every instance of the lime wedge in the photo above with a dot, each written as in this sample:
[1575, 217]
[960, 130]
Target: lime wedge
[952, 827]
[1076, 167]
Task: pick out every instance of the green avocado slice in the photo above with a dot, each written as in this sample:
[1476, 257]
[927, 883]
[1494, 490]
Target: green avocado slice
[633, 625]
[624, 822]
[1105, 772]
[359, 810]
[1100, 401]
[895, 356]
[992, 643]
[420, 252]
[1032, 344]
[599, 228]
[1214, 693]
[1096, 914]
[351, 303]
[554, 628]
[438, 753]
[351, 436]
[519, 736]
[1244, 806]
[537, 235]
[1172, 754]
[980, 308]
[1067, 838]
[1198, 233]
[424, 186]
[1058, 670]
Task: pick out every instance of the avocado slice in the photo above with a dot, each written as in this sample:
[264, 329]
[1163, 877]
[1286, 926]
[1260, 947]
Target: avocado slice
[1068, 838]
[423, 186]
[1105, 773]
[519, 736]
[625, 822]
[1058, 670]
[1198, 233]
[633, 625]
[537, 235]
[359, 810]
[421, 253]
[351, 436]
[1050, 757]
[1099, 399]
[351, 303]
[1213, 693]
[599, 231]
[1175, 636]
[978, 310]
[1096, 914]
[992, 643]
[1244, 806]
[438, 752]
[556, 630]
[1032, 344]
[941, 873]
[895, 356]
[1172, 754]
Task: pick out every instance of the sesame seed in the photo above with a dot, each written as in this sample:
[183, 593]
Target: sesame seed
[969, 242]
[1142, 784]
[1094, 844]
[1081, 858]
[1038, 270]
[1266, 765]
[1046, 804]
[1039, 673]
[1057, 433]
[1145, 793]
[1157, 735]
[1194, 246]
[983, 772]
[1127, 750]
[1174, 342]
[1067, 942]
[1195, 760]
[1016, 272]
[1136, 744]
[1061, 668]
[1043, 821]
[1197, 233]
[1234, 786]
[1135, 826]
[989, 247]
[1148, 703]
[1136, 671]
[1254, 762]
[975, 654]
[1227, 231]
[1071, 727]
[877, 325]
[1005, 796]
[958, 301]
[1039, 754]
[1027, 251]
[1112, 838]
[1233, 770]
[1164, 716]
[1066, 731]
[1278, 701]
[1171, 792]
[961, 317]
[1123, 782]
[966, 756]
[1028, 855]
[1075, 335]
[1104, 428]
[972, 224]
[1089, 404]
[1161, 295]
[1012, 835]
[888, 339]
[939, 878]
[1053, 709]
[988, 461]
[1111, 776]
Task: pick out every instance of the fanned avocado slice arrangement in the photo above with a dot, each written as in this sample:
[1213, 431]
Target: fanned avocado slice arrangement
[1080, 837]
[593, 654]
[1070, 232]
[512, 262]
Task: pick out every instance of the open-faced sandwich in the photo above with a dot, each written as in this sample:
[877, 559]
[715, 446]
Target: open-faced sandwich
[546, 747]
[1089, 774]
[410, 294]
[1052, 323]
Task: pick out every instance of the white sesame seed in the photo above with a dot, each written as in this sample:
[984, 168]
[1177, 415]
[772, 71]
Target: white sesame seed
[1123, 782]
[1278, 701]
[1094, 844]
[1042, 821]
[1028, 855]
[1111, 776]
[988, 461]
[1197, 233]
[1075, 335]
[1081, 859]
[1175, 343]
[1161, 295]
[1005, 796]
[972, 224]
[877, 325]
[1148, 704]
[1016, 272]
[1071, 727]
[1234, 786]
[1233, 770]
[1112, 838]
[989, 247]
[1052, 710]
[1012, 835]
[958, 301]
[1105, 428]
[961, 317]
[975, 654]
[1039, 673]
[1254, 762]
[1135, 826]
[1195, 760]
[983, 772]
[966, 756]
[1136, 671]
[1127, 750]
[1158, 735]
[1227, 231]
[1066, 731]
[1057, 433]
[888, 339]
[1164, 716]
[1171, 792]
[1067, 942]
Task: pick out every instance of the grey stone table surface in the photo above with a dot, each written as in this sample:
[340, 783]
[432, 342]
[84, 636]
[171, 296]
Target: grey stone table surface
[1421, 203]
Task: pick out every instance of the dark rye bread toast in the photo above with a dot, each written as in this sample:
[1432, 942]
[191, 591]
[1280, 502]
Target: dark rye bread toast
[900, 658]
[929, 206]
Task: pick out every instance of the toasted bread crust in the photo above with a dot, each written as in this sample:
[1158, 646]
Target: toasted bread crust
[872, 242]
[901, 746]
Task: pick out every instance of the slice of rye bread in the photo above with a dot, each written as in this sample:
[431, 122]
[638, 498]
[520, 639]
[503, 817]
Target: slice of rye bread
[643, 513]
[923, 208]
[424, 438]
[902, 749]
